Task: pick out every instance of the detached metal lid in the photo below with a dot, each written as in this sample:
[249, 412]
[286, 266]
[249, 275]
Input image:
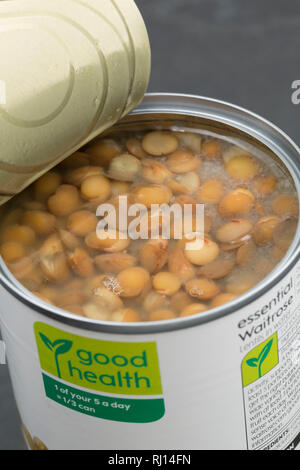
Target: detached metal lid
[69, 70]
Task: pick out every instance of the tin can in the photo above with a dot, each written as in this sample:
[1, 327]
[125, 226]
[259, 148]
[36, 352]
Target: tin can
[69, 69]
[190, 383]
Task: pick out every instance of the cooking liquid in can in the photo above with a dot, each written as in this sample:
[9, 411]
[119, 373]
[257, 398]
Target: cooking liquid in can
[49, 233]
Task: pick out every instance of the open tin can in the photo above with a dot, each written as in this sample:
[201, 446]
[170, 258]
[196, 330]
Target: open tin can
[181, 384]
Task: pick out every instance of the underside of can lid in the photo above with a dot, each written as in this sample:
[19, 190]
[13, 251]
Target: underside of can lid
[69, 70]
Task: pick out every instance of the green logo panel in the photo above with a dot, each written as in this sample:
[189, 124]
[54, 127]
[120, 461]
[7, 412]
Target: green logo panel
[107, 366]
[260, 360]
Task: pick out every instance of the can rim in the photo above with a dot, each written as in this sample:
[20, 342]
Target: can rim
[220, 111]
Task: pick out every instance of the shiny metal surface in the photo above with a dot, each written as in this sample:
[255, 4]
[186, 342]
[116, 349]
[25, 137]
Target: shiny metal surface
[78, 67]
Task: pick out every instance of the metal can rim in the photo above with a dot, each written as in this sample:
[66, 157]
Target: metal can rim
[219, 111]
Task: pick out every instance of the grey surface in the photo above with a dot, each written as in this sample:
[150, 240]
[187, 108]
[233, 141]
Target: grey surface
[10, 435]
[243, 51]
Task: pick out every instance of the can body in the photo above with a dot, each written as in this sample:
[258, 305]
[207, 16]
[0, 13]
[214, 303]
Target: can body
[84, 65]
[221, 380]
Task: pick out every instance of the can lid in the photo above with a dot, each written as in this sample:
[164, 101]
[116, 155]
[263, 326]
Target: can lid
[69, 70]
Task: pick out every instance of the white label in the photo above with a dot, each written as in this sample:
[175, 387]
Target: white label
[270, 370]
[232, 383]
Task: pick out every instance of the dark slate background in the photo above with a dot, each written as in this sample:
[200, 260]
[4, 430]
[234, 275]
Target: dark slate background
[242, 51]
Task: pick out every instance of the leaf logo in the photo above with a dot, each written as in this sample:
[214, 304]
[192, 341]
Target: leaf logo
[58, 347]
[258, 361]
